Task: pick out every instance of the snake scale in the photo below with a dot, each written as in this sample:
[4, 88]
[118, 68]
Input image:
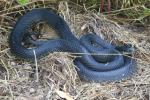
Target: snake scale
[99, 68]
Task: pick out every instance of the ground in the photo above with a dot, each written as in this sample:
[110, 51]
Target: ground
[56, 77]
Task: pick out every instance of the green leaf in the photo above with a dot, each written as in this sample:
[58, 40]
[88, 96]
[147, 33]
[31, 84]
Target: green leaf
[22, 2]
[146, 12]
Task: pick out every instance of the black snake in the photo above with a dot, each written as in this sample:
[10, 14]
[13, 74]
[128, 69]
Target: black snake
[102, 67]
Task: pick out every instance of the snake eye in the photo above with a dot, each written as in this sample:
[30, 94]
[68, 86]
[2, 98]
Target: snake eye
[95, 44]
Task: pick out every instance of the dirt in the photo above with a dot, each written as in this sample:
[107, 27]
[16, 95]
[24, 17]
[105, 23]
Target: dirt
[56, 77]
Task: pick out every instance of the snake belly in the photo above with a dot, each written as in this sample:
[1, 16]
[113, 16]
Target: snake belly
[99, 68]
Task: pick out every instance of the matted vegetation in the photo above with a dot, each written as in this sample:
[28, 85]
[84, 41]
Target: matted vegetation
[56, 77]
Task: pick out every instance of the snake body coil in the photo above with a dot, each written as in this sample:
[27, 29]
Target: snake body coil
[90, 67]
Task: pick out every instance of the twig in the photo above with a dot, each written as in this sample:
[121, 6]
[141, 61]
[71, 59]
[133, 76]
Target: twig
[35, 59]
[123, 9]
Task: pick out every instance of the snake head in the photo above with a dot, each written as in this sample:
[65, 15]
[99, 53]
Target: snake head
[126, 48]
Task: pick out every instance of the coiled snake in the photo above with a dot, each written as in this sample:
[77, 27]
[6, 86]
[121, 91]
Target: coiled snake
[89, 67]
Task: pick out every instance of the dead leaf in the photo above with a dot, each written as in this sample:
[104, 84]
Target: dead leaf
[64, 95]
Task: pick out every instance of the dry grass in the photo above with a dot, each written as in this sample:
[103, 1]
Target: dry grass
[21, 80]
